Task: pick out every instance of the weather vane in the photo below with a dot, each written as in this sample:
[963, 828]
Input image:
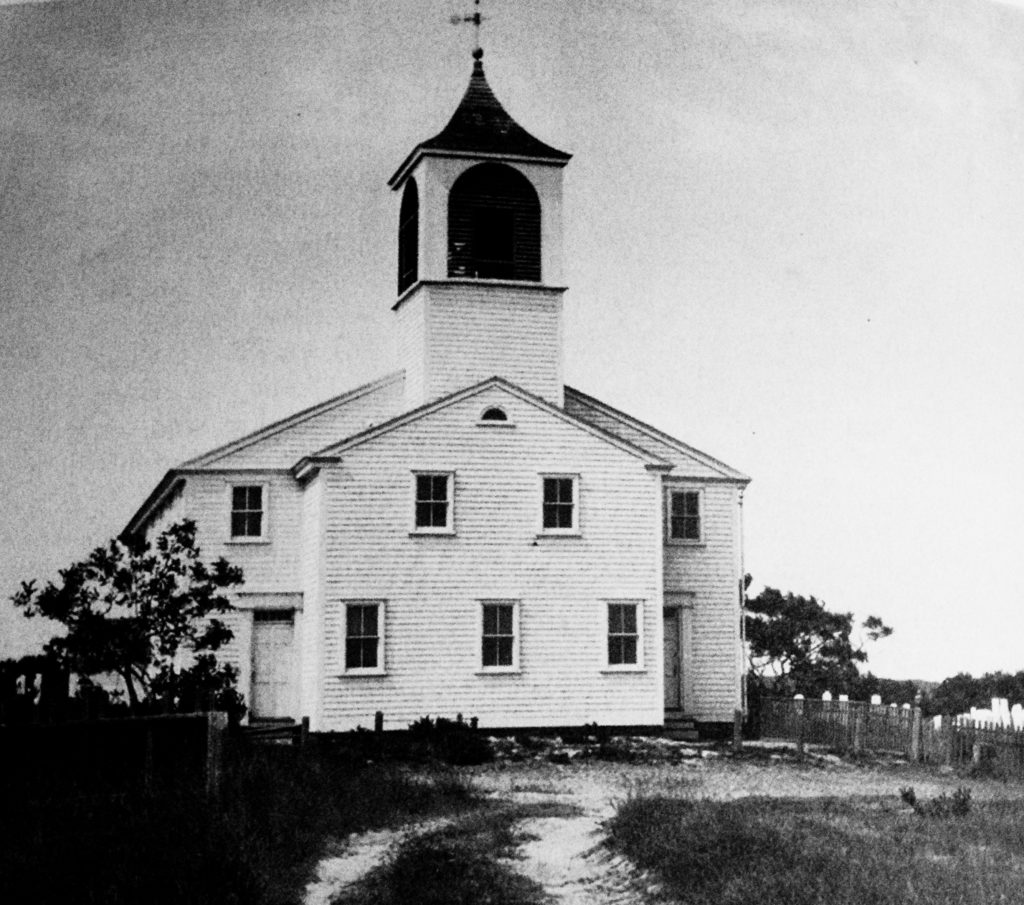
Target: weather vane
[475, 19]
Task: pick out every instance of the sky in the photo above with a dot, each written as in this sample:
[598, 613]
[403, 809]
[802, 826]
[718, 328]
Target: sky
[794, 238]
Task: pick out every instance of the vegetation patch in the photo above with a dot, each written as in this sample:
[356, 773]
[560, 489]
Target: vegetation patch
[462, 864]
[257, 846]
[835, 851]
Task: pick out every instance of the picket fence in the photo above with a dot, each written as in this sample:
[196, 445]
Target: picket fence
[855, 726]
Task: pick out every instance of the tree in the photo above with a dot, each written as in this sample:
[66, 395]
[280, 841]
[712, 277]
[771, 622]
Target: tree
[147, 613]
[797, 645]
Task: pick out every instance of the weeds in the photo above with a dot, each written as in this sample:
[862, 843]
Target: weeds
[835, 851]
[457, 865]
[277, 807]
[956, 805]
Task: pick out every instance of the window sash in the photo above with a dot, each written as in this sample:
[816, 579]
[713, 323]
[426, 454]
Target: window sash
[433, 503]
[559, 504]
[247, 510]
[684, 515]
[623, 634]
[362, 636]
[498, 635]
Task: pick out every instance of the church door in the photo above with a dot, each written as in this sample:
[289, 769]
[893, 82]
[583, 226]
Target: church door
[672, 658]
[273, 666]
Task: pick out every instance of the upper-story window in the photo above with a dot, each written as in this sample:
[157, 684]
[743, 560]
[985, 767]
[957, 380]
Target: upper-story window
[494, 225]
[433, 504]
[248, 512]
[684, 516]
[560, 504]
[408, 236]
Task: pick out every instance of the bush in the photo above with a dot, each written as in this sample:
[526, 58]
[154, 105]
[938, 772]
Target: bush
[956, 805]
[452, 742]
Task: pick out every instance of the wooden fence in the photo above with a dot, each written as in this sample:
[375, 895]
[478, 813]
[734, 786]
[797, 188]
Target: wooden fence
[853, 726]
[151, 753]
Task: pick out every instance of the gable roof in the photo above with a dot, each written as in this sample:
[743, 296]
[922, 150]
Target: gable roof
[681, 455]
[331, 452]
[210, 458]
[481, 125]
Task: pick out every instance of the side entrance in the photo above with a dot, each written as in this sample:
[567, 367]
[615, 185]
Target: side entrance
[677, 617]
[272, 695]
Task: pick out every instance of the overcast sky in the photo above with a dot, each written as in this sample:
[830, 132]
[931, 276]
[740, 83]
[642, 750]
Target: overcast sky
[794, 239]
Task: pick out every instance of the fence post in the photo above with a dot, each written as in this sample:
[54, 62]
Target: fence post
[859, 712]
[216, 726]
[915, 730]
[737, 731]
[304, 732]
[800, 725]
[378, 722]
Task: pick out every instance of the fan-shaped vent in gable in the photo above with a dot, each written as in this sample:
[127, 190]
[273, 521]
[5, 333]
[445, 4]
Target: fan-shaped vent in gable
[494, 225]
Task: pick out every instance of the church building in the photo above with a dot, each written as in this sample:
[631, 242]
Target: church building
[468, 534]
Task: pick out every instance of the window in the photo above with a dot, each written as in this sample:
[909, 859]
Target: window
[408, 236]
[363, 636]
[494, 225]
[559, 506]
[494, 414]
[684, 521]
[248, 512]
[624, 635]
[499, 648]
[433, 506]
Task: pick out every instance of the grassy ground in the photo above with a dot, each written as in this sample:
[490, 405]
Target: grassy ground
[257, 848]
[461, 864]
[827, 850]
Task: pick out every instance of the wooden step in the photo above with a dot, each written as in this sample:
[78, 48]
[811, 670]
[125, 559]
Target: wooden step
[680, 727]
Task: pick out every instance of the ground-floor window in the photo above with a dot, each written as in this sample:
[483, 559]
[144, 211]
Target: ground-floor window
[499, 647]
[364, 636]
[624, 637]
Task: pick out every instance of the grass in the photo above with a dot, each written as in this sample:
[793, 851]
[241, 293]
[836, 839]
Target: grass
[460, 864]
[818, 851]
[257, 848]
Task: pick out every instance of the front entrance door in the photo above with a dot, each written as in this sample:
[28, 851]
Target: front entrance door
[273, 666]
[673, 670]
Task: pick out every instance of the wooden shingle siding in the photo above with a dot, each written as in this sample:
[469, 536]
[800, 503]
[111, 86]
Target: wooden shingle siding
[432, 585]
[271, 566]
[465, 333]
[711, 572]
[310, 643]
[284, 449]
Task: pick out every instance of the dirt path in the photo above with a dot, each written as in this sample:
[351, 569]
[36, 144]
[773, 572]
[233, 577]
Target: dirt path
[349, 861]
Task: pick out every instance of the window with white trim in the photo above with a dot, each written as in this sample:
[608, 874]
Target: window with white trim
[364, 637]
[499, 635]
[248, 512]
[560, 504]
[433, 503]
[684, 522]
[625, 641]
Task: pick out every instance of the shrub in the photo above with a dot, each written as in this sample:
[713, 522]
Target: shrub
[956, 805]
[452, 742]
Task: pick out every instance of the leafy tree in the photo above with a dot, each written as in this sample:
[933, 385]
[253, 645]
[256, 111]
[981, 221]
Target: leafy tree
[147, 613]
[959, 693]
[797, 645]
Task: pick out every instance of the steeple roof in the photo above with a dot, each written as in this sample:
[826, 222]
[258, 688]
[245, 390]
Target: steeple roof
[481, 126]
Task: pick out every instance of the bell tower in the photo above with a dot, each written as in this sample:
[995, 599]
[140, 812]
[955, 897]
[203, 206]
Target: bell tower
[480, 254]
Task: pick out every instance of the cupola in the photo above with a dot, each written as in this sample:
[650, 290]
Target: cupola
[480, 252]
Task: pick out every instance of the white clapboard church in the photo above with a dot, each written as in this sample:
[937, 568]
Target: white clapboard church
[468, 534]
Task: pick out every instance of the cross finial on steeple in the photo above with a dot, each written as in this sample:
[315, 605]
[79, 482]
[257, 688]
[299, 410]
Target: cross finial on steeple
[476, 19]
